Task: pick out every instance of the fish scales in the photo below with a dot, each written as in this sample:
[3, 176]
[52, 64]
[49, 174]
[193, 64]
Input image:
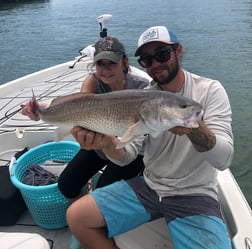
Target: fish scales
[122, 112]
[96, 113]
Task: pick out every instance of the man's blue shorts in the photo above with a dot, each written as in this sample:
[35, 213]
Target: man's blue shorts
[194, 222]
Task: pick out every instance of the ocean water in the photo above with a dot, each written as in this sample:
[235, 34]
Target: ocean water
[216, 37]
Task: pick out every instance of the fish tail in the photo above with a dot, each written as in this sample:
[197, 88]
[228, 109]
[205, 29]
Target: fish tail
[33, 103]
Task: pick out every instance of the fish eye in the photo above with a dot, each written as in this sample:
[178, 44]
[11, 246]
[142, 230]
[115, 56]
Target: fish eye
[183, 106]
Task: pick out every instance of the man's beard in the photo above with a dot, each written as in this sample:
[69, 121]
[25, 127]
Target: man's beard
[173, 71]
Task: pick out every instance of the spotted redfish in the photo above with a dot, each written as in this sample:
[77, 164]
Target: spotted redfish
[125, 114]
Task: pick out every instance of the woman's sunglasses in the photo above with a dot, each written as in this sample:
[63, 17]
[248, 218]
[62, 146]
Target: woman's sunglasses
[160, 56]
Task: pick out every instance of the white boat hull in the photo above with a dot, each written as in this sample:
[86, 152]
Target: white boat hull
[18, 132]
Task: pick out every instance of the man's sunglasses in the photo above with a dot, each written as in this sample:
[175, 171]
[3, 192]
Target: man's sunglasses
[160, 56]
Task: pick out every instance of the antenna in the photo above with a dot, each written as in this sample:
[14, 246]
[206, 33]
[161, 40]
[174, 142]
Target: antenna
[102, 20]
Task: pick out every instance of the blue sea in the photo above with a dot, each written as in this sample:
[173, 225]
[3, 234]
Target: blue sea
[216, 37]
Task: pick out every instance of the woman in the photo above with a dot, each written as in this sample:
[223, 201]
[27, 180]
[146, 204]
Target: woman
[111, 74]
[111, 66]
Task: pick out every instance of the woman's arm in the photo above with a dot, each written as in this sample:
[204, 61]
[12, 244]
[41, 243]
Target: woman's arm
[89, 84]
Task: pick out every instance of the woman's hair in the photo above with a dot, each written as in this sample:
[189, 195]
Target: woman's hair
[125, 63]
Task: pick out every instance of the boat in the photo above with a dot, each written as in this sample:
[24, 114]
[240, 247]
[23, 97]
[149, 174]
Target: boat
[18, 132]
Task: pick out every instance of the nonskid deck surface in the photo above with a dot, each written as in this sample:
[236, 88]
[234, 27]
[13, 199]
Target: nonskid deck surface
[59, 238]
[150, 236]
[45, 90]
[46, 87]
[153, 235]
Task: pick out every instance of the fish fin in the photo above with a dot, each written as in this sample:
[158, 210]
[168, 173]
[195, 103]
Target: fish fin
[155, 134]
[61, 133]
[70, 97]
[129, 135]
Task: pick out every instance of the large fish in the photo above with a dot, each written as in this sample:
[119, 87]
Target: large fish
[125, 114]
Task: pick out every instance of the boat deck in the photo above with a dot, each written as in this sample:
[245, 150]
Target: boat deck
[18, 132]
[44, 88]
[59, 238]
[14, 127]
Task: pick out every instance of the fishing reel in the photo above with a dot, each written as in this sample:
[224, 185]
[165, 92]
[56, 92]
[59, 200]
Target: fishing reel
[102, 20]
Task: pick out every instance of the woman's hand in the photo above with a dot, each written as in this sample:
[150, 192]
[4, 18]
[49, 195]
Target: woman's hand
[29, 111]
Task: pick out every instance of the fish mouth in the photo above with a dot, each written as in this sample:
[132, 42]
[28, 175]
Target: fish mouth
[199, 114]
[192, 121]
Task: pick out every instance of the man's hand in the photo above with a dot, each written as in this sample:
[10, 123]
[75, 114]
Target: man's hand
[202, 138]
[90, 140]
[179, 130]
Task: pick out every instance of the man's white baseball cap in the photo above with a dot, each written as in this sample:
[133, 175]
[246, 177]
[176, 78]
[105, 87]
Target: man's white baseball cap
[156, 33]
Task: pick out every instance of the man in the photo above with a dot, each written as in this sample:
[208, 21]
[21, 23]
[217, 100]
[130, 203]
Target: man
[181, 164]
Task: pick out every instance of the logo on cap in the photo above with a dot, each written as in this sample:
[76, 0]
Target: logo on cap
[104, 45]
[150, 35]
